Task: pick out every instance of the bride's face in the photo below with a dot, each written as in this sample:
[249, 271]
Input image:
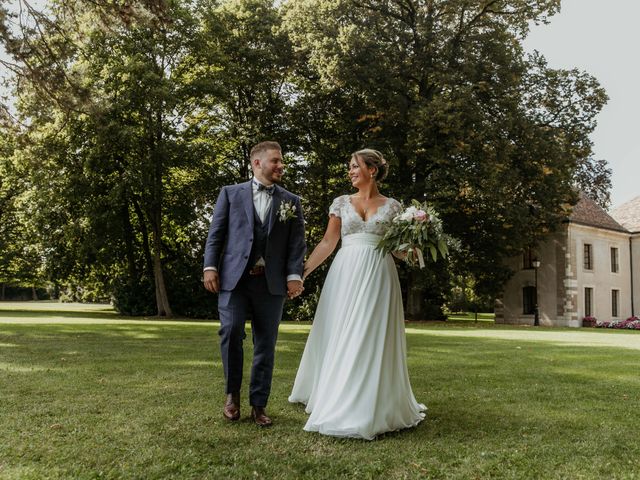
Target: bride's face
[359, 174]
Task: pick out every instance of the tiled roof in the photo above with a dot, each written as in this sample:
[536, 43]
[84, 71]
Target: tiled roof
[628, 215]
[588, 212]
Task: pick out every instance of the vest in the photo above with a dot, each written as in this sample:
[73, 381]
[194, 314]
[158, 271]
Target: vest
[260, 233]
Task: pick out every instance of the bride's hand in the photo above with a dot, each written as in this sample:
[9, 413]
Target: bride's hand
[400, 254]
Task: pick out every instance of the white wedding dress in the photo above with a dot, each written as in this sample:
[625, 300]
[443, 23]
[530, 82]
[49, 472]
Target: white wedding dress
[353, 374]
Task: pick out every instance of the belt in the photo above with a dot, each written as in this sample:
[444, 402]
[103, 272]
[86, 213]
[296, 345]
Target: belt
[257, 270]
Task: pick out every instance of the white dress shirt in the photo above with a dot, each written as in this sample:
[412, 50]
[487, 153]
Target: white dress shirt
[261, 201]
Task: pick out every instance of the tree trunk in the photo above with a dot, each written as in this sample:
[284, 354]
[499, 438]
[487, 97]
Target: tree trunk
[128, 239]
[145, 235]
[415, 296]
[155, 215]
[162, 299]
[157, 157]
[34, 294]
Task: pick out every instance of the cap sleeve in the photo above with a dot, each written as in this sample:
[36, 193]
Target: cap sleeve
[336, 207]
[395, 207]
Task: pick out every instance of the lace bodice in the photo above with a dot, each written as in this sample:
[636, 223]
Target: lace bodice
[352, 222]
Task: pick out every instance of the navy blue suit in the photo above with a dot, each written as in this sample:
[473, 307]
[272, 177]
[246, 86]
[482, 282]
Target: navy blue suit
[229, 248]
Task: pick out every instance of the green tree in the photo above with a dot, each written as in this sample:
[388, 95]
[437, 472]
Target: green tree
[9, 191]
[491, 136]
[105, 99]
[245, 60]
[136, 114]
[20, 252]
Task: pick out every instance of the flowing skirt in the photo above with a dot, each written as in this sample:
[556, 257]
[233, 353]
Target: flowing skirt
[353, 374]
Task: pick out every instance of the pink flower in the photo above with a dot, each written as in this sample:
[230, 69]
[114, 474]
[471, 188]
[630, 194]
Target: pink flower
[421, 216]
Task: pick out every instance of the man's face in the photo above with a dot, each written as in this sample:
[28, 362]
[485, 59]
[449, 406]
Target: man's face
[270, 165]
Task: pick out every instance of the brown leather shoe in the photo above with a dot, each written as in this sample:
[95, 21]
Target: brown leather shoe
[231, 409]
[260, 417]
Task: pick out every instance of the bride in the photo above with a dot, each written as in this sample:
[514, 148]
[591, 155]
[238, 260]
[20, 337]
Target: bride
[353, 375]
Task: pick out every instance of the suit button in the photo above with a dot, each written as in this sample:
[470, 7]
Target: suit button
[246, 256]
[251, 239]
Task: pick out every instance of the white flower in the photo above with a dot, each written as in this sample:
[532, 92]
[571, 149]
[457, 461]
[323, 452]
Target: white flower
[408, 214]
[286, 211]
[417, 233]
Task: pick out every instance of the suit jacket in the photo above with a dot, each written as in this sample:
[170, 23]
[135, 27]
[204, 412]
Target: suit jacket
[231, 235]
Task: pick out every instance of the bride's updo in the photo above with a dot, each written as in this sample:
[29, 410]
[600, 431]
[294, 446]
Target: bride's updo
[373, 158]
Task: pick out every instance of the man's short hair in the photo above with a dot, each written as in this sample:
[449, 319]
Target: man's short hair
[263, 147]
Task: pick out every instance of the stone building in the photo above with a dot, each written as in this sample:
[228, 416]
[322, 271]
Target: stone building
[589, 268]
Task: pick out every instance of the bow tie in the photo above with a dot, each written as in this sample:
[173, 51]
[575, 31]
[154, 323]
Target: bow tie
[267, 190]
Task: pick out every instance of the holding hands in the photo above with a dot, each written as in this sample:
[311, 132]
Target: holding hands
[294, 288]
[212, 283]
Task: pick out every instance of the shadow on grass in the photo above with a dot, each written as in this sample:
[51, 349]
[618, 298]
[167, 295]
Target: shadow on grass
[470, 316]
[25, 313]
[140, 347]
[106, 314]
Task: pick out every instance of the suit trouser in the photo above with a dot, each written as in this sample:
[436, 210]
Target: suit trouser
[251, 297]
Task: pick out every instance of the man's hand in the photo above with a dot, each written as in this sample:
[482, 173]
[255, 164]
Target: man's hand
[294, 288]
[212, 281]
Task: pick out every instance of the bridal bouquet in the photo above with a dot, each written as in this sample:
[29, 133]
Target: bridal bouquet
[418, 229]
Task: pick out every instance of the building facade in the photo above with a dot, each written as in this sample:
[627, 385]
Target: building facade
[589, 268]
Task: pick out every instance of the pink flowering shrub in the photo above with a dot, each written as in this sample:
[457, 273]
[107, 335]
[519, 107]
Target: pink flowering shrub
[631, 323]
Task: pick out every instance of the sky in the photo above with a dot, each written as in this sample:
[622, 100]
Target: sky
[603, 39]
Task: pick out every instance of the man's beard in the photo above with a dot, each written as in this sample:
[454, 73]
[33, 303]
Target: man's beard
[272, 178]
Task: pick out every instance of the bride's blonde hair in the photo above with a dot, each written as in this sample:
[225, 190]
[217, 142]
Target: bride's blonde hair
[373, 158]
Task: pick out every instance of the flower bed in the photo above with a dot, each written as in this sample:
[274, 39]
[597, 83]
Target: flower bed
[632, 323]
[589, 321]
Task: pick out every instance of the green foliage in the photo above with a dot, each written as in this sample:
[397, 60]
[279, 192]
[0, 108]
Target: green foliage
[418, 232]
[20, 249]
[87, 289]
[184, 284]
[131, 117]
[133, 298]
[463, 297]
[491, 137]
[425, 291]
[303, 308]
[188, 297]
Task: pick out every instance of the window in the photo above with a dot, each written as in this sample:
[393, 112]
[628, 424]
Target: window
[588, 257]
[528, 300]
[615, 301]
[588, 296]
[615, 268]
[527, 258]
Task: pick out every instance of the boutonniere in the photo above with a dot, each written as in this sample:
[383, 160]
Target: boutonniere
[286, 211]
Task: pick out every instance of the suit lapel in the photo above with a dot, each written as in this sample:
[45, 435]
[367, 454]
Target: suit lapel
[247, 201]
[276, 199]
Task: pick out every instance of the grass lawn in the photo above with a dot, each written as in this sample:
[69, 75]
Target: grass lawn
[87, 394]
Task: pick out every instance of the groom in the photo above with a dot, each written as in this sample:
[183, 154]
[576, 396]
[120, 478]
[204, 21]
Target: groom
[253, 259]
